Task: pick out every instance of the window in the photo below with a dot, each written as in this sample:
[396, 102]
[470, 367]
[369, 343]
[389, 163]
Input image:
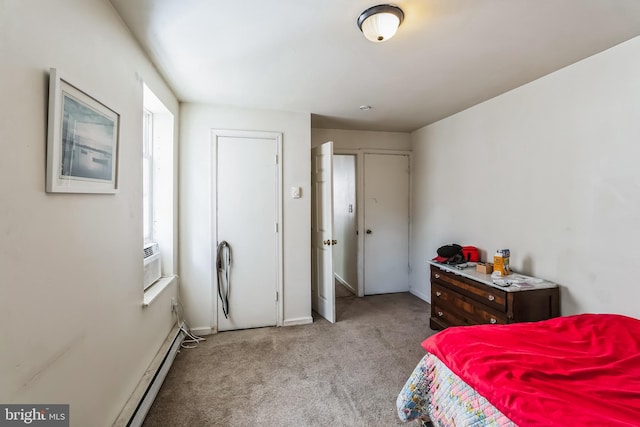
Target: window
[147, 175]
[158, 190]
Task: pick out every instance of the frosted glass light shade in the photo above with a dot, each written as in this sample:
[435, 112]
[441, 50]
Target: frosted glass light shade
[380, 23]
[380, 27]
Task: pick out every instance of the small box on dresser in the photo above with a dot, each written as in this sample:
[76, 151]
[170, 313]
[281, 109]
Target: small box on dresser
[467, 297]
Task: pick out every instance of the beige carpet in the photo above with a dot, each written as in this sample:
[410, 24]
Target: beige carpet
[343, 374]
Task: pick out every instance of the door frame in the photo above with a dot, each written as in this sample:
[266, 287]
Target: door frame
[272, 136]
[359, 153]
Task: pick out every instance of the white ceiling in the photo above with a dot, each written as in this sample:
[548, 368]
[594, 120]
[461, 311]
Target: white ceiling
[309, 55]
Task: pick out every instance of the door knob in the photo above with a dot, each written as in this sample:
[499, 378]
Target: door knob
[326, 242]
[369, 231]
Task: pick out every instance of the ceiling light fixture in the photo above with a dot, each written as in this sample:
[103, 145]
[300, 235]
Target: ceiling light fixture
[380, 23]
[365, 107]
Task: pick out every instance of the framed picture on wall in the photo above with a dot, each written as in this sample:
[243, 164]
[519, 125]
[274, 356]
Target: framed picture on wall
[82, 141]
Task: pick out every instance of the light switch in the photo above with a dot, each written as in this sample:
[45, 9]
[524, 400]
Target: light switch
[296, 192]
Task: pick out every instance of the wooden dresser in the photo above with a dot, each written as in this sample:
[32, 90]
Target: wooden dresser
[467, 297]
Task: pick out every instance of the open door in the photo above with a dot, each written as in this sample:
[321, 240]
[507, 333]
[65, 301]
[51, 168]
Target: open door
[322, 277]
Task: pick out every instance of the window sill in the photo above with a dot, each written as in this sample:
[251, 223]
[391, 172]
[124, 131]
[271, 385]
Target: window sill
[156, 289]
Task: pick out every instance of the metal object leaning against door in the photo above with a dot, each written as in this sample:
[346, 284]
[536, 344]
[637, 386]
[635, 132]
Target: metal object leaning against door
[223, 266]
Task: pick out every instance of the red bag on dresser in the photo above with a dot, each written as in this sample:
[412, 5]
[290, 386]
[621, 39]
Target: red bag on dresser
[470, 254]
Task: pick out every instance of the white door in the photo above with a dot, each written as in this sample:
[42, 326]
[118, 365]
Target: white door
[386, 223]
[247, 215]
[322, 279]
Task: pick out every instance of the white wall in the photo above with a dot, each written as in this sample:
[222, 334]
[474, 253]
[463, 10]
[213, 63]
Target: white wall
[345, 224]
[74, 329]
[196, 254]
[357, 139]
[549, 170]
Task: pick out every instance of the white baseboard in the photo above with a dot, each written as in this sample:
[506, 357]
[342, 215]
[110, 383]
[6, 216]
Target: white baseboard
[420, 295]
[202, 331]
[136, 408]
[298, 321]
[345, 284]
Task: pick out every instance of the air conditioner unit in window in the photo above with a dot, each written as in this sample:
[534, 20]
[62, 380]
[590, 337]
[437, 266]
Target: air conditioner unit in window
[151, 264]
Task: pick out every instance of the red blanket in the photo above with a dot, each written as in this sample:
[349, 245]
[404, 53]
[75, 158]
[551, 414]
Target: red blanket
[569, 371]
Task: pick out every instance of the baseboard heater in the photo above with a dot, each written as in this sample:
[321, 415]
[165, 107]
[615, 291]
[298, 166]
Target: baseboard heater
[136, 409]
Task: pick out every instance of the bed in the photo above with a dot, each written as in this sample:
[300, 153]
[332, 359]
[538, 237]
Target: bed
[568, 371]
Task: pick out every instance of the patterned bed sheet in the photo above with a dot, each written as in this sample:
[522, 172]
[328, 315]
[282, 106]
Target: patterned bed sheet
[434, 393]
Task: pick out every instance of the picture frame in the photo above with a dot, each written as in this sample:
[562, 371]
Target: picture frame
[82, 141]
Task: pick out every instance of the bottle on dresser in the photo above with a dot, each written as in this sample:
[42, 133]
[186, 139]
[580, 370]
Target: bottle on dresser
[501, 262]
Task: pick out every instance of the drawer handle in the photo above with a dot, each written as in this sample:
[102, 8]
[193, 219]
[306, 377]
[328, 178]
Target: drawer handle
[491, 297]
[438, 293]
[440, 314]
[437, 276]
[492, 320]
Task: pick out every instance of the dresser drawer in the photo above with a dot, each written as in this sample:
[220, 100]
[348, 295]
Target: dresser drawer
[465, 308]
[448, 317]
[492, 297]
